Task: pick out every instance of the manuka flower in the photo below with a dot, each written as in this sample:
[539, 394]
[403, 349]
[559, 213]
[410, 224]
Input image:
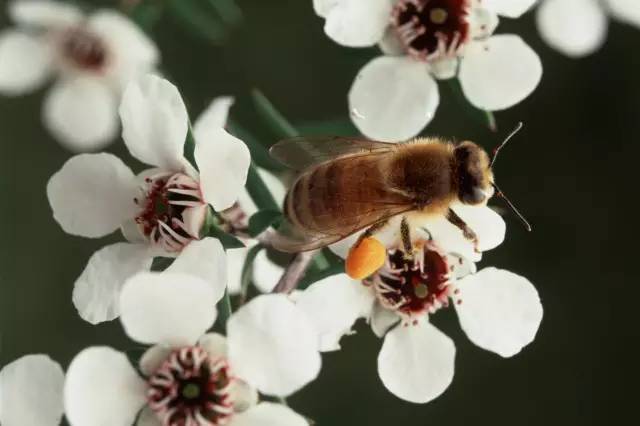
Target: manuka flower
[396, 95]
[498, 310]
[189, 377]
[162, 210]
[93, 57]
[31, 392]
[579, 27]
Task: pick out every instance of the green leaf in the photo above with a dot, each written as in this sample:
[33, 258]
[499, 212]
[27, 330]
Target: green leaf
[160, 264]
[189, 148]
[227, 240]
[486, 118]
[146, 14]
[314, 275]
[259, 191]
[272, 117]
[224, 310]
[198, 20]
[259, 151]
[227, 10]
[262, 220]
[247, 270]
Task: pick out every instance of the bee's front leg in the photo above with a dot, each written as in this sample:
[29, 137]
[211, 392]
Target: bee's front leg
[405, 234]
[466, 230]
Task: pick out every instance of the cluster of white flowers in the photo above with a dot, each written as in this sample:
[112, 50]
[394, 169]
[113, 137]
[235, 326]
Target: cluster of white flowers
[174, 211]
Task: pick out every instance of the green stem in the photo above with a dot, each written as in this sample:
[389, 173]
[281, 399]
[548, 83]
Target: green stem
[276, 121]
[224, 309]
[259, 191]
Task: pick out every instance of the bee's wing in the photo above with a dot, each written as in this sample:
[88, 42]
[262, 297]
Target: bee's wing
[290, 238]
[302, 152]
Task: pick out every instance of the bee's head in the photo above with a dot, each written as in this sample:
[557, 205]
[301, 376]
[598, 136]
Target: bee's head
[473, 172]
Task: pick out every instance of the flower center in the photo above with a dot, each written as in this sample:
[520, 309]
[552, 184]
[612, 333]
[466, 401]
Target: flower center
[191, 388]
[417, 284]
[431, 29]
[84, 49]
[162, 219]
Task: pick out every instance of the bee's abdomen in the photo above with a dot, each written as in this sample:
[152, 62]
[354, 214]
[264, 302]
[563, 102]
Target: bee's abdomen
[329, 196]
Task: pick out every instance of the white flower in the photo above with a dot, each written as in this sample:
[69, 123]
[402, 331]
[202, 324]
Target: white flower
[189, 377]
[578, 28]
[161, 211]
[396, 95]
[498, 310]
[92, 56]
[31, 392]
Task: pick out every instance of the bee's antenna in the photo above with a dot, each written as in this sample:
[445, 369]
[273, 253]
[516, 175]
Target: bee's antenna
[500, 194]
[507, 139]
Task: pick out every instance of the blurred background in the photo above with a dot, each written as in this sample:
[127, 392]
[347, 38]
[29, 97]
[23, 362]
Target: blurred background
[570, 171]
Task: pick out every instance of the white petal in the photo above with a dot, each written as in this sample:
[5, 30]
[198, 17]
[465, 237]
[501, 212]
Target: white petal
[132, 52]
[154, 122]
[500, 311]
[102, 388]
[322, 7]
[31, 392]
[273, 345]
[448, 237]
[625, 10]
[266, 273]
[96, 293]
[223, 161]
[574, 27]
[416, 362]
[445, 68]
[509, 8]
[275, 186]
[334, 304]
[235, 262]
[81, 112]
[153, 358]
[25, 62]
[382, 319]
[204, 259]
[358, 23]
[483, 22]
[488, 225]
[393, 98]
[92, 195]
[212, 118]
[499, 72]
[269, 414]
[45, 14]
[242, 395]
[390, 44]
[174, 309]
[215, 344]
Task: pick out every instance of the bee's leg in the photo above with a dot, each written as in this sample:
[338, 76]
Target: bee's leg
[405, 234]
[466, 231]
[371, 230]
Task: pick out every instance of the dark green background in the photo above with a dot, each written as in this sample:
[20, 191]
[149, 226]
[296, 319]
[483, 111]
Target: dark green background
[571, 170]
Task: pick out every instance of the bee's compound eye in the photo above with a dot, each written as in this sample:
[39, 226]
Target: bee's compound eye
[365, 258]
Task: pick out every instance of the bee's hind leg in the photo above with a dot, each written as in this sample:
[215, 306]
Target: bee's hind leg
[466, 230]
[370, 231]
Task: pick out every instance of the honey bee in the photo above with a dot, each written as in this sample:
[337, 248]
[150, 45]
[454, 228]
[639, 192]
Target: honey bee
[346, 185]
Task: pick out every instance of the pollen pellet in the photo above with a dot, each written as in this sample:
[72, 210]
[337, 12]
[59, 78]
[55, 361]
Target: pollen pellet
[365, 258]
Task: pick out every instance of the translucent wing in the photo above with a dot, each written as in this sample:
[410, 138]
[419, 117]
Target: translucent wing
[302, 152]
[290, 238]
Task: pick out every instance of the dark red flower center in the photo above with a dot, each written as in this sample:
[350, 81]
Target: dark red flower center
[84, 49]
[415, 284]
[191, 388]
[162, 219]
[431, 29]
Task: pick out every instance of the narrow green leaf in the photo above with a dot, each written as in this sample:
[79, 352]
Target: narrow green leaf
[197, 20]
[272, 117]
[259, 191]
[224, 310]
[247, 271]
[189, 148]
[228, 11]
[146, 14]
[227, 240]
[259, 151]
[483, 117]
[262, 220]
[159, 264]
